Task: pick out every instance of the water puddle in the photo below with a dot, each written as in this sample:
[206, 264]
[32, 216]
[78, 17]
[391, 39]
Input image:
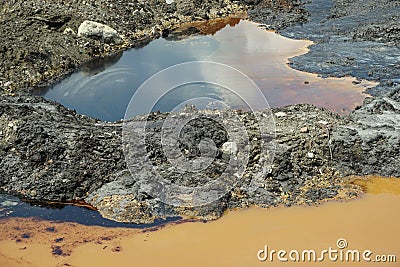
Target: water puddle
[378, 185]
[103, 89]
[13, 207]
[369, 223]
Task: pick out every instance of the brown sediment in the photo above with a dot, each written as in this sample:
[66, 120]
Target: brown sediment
[39, 239]
[212, 26]
[234, 240]
[377, 185]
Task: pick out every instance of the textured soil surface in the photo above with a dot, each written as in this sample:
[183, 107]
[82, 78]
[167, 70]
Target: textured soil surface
[49, 153]
[39, 39]
[356, 38]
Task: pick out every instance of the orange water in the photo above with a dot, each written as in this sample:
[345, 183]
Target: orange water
[369, 223]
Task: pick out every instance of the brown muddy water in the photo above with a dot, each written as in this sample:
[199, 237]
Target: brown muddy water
[103, 90]
[369, 226]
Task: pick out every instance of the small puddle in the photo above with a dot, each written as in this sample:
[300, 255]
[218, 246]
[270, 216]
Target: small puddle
[13, 207]
[368, 223]
[104, 89]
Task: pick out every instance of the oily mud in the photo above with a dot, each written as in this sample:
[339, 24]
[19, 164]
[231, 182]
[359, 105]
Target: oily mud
[314, 148]
[48, 152]
[357, 38]
[368, 223]
[75, 212]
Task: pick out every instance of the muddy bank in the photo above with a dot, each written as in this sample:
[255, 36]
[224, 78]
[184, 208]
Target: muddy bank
[70, 156]
[42, 41]
[356, 38]
[50, 153]
[30, 242]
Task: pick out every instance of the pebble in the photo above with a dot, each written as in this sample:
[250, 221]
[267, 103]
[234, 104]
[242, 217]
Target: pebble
[229, 148]
[304, 130]
[280, 114]
[69, 31]
[96, 30]
[9, 203]
[390, 83]
[323, 122]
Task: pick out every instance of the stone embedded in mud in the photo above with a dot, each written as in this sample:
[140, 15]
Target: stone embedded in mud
[304, 130]
[9, 203]
[280, 114]
[229, 148]
[98, 31]
[69, 31]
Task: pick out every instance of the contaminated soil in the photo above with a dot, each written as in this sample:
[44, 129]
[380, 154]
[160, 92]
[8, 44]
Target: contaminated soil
[50, 153]
[346, 227]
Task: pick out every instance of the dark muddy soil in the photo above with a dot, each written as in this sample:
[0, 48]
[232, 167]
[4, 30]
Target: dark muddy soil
[356, 38]
[74, 157]
[40, 43]
[50, 153]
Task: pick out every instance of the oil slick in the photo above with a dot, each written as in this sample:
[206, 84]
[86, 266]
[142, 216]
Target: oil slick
[104, 90]
[369, 223]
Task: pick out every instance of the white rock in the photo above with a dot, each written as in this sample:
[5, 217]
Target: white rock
[323, 122]
[310, 155]
[213, 13]
[69, 31]
[304, 130]
[6, 84]
[229, 148]
[280, 114]
[98, 31]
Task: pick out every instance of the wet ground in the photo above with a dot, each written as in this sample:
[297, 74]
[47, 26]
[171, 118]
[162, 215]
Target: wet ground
[50, 153]
[82, 213]
[357, 38]
[103, 91]
[369, 223]
[54, 154]
[44, 45]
